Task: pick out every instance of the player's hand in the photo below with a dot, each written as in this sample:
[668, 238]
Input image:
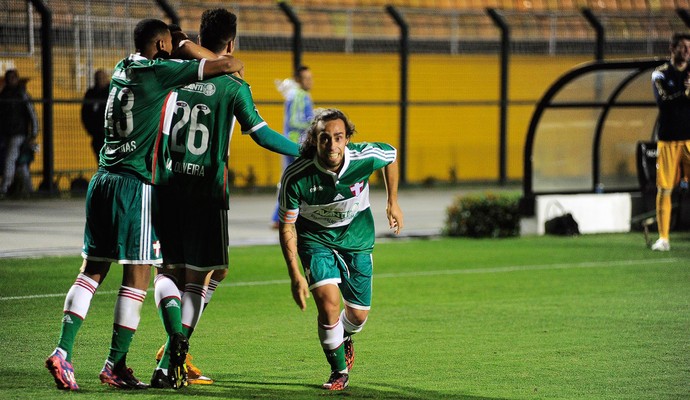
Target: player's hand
[395, 217]
[300, 291]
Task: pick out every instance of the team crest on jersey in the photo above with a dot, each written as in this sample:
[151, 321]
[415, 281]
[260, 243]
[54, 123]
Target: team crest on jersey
[157, 248]
[205, 88]
[356, 189]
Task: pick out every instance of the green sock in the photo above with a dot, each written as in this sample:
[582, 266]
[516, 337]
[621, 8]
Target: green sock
[164, 363]
[70, 326]
[170, 312]
[119, 346]
[187, 331]
[336, 358]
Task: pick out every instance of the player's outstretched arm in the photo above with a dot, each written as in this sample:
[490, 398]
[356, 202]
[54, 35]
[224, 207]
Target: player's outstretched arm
[298, 284]
[391, 177]
[274, 141]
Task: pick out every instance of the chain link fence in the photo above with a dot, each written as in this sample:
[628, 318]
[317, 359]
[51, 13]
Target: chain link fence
[454, 72]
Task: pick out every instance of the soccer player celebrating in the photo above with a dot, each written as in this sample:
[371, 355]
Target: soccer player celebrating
[118, 201]
[326, 219]
[190, 168]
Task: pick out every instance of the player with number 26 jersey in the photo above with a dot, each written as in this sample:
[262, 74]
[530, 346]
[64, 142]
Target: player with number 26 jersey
[186, 147]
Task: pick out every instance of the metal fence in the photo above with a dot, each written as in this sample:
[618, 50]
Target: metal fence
[93, 34]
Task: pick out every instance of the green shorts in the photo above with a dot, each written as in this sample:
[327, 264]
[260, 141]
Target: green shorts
[193, 230]
[352, 272]
[118, 220]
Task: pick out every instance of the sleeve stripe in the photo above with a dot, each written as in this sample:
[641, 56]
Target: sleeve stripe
[289, 173]
[200, 73]
[255, 128]
[386, 155]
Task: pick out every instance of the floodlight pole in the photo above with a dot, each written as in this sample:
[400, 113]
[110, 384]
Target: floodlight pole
[684, 15]
[599, 30]
[296, 34]
[404, 63]
[502, 24]
[48, 183]
[169, 11]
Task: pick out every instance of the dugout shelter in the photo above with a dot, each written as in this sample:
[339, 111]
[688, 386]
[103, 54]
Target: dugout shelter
[581, 148]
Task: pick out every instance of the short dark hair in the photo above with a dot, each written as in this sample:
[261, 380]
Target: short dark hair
[147, 30]
[299, 70]
[678, 37]
[174, 28]
[218, 28]
[321, 116]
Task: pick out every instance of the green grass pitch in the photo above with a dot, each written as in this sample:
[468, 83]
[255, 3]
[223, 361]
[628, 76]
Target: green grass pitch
[589, 317]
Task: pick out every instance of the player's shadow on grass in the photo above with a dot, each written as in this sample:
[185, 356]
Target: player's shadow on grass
[282, 389]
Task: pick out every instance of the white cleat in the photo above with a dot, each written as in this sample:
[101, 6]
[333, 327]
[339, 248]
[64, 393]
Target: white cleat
[661, 245]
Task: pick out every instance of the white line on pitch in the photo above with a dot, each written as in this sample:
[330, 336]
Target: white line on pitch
[508, 268]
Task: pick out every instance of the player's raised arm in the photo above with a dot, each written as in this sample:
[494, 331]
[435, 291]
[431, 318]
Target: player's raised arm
[225, 64]
[188, 50]
[391, 177]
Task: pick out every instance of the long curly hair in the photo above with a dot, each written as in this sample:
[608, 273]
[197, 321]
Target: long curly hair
[321, 116]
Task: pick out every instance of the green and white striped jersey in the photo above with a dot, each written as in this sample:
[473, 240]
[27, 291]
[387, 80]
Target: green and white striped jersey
[133, 112]
[333, 210]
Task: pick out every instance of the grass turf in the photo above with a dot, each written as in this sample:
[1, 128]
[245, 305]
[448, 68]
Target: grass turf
[589, 317]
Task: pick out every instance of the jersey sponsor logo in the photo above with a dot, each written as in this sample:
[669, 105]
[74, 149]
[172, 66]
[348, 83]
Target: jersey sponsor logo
[356, 189]
[333, 216]
[205, 88]
[337, 213]
[315, 188]
[338, 197]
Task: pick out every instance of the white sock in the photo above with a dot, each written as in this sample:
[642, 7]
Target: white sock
[331, 336]
[212, 285]
[78, 299]
[350, 328]
[192, 304]
[128, 307]
[163, 288]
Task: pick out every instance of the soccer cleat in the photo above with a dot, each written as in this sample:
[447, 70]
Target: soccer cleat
[159, 354]
[661, 245]
[349, 352]
[177, 370]
[122, 378]
[160, 380]
[194, 375]
[337, 381]
[62, 372]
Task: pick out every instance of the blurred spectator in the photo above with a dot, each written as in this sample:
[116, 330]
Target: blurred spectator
[298, 113]
[18, 131]
[93, 110]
